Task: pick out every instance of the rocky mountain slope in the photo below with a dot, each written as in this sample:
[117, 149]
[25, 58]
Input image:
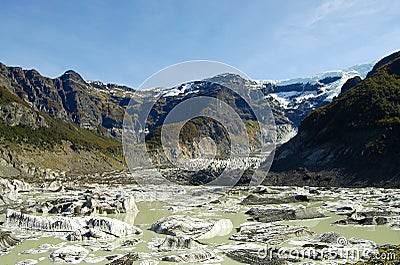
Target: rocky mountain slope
[352, 141]
[53, 121]
[32, 143]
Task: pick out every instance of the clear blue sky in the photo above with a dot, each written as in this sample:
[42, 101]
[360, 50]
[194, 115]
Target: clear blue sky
[126, 41]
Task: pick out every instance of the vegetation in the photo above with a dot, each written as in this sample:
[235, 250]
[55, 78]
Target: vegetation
[49, 137]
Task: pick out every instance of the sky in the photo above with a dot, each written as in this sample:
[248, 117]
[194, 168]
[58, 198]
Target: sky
[125, 42]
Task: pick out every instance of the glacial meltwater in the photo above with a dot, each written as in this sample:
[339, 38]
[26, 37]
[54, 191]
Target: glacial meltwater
[366, 217]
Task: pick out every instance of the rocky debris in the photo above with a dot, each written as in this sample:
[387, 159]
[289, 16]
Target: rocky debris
[269, 233]
[69, 254]
[328, 237]
[15, 114]
[128, 259]
[330, 246]
[90, 203]
[197, 228]
[257, 199]
[131, 242]
[268, 214]
[368, 218]
[14, 185]
[198, 256]
[78, 228]
[7, 240]
[255, 257]
[178, 242]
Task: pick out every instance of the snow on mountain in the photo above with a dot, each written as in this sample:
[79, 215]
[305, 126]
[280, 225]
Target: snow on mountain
[324, 87]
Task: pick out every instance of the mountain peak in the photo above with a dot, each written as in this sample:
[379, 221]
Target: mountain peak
[72, 74]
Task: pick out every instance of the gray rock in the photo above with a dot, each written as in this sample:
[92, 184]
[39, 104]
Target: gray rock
[269, 233]
[69, 254]
[367, 218]
[260, 199]
[329, 237]
[7, 240]
[265, 214]
[178, 242]
[256, 257]
[128, 259]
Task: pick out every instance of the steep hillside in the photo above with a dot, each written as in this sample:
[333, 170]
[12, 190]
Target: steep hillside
[356, 137]
[31, 141]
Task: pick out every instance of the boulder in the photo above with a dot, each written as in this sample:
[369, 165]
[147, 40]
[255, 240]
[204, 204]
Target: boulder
[268, 214]
[269, 233]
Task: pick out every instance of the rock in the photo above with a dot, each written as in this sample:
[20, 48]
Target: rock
[129, 205]
[255, 257]
[257, 199]
[78, 227]
[329, 237]
[268, 214]
[197, 228]
[131, 242]
[367, 218]
[69, 254]
[128, 259]
[7, 240]
[269, 233]
[195, 257]
[178, 242]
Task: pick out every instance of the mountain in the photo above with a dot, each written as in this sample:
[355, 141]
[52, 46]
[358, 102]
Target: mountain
[354, 140]
[43, 118]
[95, 106]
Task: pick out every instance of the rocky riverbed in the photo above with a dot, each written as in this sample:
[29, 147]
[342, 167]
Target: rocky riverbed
[70, 223]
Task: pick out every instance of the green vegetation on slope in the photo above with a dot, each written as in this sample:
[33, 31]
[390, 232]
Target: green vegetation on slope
[358, 133]
[49, 137]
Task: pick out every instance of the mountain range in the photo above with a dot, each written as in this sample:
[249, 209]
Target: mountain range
[49, 122]
[355, 138]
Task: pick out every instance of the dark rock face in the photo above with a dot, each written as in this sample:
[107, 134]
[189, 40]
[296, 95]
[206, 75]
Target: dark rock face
[352, 82]
[356, 135]
[384, 61]
[67, 97]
